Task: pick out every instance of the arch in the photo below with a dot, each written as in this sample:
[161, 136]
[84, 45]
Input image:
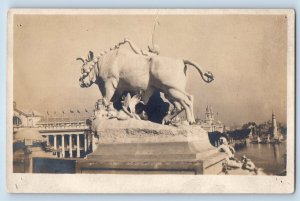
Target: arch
[17, 121]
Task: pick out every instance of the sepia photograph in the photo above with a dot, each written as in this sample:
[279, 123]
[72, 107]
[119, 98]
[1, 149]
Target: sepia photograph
[157, 100]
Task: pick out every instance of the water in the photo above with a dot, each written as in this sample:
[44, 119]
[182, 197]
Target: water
[269, 157]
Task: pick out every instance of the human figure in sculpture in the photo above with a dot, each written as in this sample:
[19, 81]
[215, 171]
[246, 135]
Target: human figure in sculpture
[152, 50]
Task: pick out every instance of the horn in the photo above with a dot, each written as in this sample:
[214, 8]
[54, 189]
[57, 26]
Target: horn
[91, 56]
[80, 59]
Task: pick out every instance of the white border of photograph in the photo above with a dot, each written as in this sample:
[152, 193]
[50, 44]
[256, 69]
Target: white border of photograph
[108, 183]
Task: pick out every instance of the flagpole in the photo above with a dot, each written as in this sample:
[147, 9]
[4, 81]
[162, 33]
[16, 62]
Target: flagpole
[47, 117]
[70, 118]
[79, 115]
[85, 115]
[63, 116]
[76, 117]
[86, 111]
[54, 118]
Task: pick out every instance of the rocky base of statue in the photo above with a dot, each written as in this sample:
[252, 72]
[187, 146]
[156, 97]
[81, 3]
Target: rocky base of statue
[135, 146]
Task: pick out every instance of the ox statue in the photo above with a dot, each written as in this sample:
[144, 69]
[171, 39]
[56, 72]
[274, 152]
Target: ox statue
[122, 69]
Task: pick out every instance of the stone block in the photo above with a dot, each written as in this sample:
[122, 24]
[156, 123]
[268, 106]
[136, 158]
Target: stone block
[135, 146]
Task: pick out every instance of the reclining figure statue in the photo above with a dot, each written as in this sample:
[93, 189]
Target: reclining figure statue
[122, 69]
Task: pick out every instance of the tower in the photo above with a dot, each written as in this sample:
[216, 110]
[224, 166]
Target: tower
[274, 127]
[209, 116]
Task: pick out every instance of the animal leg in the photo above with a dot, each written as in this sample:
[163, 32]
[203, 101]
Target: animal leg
[187, 111]
[110, 88]
[177, 105]
[183, 99]
[147, 94]
[101, 87]
[176, 110]
[191, 105]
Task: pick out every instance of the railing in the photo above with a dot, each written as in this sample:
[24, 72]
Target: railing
[63, 125]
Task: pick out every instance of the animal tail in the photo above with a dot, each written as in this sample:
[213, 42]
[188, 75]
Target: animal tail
[206, 76]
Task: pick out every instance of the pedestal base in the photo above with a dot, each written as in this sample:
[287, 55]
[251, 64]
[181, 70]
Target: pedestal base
[142, 147]
[211, 164]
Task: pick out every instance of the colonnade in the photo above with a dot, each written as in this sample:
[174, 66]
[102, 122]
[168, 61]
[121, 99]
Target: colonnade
[68, 145]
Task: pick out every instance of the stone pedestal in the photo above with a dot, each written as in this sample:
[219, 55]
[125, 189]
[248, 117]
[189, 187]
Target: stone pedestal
[134, 146]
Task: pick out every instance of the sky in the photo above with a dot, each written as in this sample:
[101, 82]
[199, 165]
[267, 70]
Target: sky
[246, 53]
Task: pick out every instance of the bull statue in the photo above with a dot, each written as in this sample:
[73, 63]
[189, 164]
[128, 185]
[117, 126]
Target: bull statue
[122, 69]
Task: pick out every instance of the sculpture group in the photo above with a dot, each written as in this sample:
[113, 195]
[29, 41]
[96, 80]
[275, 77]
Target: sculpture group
[125, 69]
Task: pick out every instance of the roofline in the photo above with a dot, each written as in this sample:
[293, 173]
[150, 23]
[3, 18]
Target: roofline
[21, 112]
[27, 115]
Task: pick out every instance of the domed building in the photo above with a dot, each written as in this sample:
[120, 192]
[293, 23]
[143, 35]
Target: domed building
[209, 124]
[25, 119]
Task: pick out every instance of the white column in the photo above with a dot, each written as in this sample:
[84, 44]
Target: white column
[85, 142]
[48, 142]
[88, 139]
[95, 142]
[55, 144]
[78, 146]
[70, 146]
[63, 146]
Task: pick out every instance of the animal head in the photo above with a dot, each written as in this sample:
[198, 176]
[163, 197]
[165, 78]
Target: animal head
[88, 70]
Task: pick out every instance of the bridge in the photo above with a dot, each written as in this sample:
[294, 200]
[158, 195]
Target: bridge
[67, 137]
